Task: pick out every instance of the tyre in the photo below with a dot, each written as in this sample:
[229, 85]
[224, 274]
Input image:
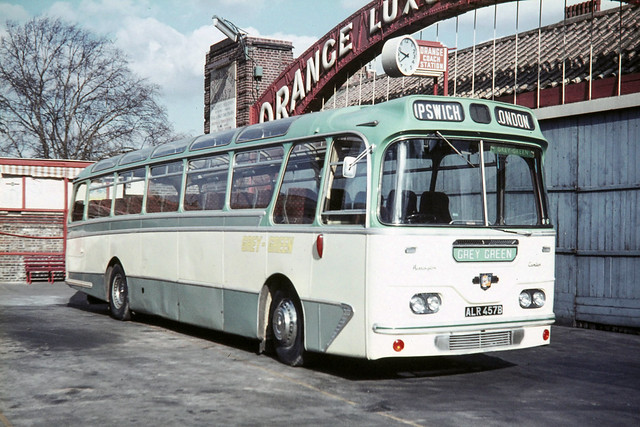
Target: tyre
[287, 328]
[119, 294]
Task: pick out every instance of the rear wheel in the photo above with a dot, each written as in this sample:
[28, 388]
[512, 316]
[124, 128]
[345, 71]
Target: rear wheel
[119, 294]
[287, 328]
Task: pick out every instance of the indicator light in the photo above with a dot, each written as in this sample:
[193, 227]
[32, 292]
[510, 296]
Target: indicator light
[398, 345]
[320, 245]
[546, 334]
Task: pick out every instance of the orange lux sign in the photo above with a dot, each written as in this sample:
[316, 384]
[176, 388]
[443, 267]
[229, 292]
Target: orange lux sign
[352, 43]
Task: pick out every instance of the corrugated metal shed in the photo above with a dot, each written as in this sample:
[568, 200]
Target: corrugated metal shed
[567, 43]
[593, 177]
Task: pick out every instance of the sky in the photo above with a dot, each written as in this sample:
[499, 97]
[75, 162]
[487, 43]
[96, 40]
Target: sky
[166, 40]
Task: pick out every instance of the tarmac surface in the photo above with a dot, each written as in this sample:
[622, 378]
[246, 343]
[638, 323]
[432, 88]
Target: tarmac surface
[65, 362]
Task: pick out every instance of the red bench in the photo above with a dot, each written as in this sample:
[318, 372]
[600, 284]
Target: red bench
[41, 267]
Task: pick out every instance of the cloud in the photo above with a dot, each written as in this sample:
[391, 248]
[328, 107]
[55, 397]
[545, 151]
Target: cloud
[156, 51]
[300, 43]
[353, 5]
[13, 12]
[10, 12]
[172, 60]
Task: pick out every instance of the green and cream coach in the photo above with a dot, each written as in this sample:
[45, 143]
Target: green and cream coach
[414, 227]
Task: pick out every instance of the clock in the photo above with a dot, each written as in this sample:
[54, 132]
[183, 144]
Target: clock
[400, 56]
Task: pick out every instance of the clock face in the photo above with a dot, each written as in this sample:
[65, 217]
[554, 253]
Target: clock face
[400, 56]
[407, 56]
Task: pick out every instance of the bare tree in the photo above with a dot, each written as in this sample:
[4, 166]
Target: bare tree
[66, 93]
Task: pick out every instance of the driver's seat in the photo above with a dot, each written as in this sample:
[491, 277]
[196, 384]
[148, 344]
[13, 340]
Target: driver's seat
[435, 204]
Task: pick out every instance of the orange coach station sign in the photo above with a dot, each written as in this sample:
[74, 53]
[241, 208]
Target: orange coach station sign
[433, 59]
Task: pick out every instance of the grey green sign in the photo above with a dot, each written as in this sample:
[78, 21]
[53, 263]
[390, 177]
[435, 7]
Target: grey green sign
[485, 254]
[522, 152]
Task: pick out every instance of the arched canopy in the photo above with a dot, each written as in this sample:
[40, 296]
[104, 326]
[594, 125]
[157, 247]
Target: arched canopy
[354, 42]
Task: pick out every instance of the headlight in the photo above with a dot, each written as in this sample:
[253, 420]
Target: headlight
[418, 304]
[532, 298]
[434, 302]
[425, 303]
[525, 299]
[539, 298]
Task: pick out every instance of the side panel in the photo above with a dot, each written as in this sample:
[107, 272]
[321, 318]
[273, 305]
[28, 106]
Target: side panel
[325, 322]
[201, 275]
[87, 260]
[293, 255]
[154, 296]
[339, 277]
[245, 260]
[241, 313]
[201, 257]
[158, 256]
[202, 306]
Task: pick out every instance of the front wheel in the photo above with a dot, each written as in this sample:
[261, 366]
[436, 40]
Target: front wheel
[119, 294]
[287, 328]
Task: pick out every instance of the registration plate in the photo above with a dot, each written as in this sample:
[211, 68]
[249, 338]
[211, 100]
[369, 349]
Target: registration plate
[483, 310]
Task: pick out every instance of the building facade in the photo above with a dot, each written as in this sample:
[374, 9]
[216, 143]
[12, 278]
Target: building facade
[33, 205]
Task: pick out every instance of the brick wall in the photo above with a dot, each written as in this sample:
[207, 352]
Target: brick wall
[27, 233]
[272, 55]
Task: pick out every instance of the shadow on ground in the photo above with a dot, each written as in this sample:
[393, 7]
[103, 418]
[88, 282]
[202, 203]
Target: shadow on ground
[344, 367]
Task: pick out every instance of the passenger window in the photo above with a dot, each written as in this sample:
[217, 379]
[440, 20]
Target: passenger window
[164, 188]
[254, 174]
[77, 211]
[129, 192]
[206, 183]
[346, 197]
[100, 196]
[298, 195]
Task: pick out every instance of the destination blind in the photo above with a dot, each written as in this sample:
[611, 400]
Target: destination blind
[438, 111]
[514, 118]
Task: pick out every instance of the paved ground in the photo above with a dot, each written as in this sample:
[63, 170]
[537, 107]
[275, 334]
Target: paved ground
[64, 362]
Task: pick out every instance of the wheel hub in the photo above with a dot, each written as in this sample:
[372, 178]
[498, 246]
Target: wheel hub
[117, 292]
[285, 322]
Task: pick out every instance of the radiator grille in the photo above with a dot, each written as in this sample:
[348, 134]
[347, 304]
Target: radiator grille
[480, 340]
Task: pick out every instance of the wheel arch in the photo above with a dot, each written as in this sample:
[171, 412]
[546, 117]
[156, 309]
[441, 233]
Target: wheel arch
[275, 282]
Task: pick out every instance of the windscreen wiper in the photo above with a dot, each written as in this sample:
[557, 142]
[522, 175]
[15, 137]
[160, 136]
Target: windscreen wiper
[455, 149]
[521, 233]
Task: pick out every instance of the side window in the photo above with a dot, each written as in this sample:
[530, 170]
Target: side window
[346, 196]
[77, 210]
[298, 196]
[100, 195]
[254, 174]
[206, 183]
[129, 192]
[163, 194]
